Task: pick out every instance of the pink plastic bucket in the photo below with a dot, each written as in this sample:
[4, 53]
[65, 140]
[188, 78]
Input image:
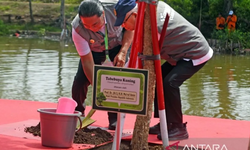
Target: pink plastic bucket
[66, 105]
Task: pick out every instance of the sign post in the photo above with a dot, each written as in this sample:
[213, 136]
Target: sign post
[121, 90]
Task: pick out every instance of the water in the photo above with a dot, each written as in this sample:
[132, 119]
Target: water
[42, 70]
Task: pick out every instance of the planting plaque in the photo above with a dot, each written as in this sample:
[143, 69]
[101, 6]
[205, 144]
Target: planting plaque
[120, 89]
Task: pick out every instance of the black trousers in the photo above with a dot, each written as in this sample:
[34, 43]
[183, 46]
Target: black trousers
[81, 83]
[173, 77]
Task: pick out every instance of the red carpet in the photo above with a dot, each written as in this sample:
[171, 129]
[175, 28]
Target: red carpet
[205, 133]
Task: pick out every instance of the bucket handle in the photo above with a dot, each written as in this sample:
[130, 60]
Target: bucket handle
[80, 124]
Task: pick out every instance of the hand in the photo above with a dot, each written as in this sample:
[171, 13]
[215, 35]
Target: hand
[120, 59]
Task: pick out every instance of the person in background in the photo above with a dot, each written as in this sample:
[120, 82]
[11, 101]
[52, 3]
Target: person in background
[231, 21]
[89, 28]
[220, 22]
[17, 33]
[185, 50]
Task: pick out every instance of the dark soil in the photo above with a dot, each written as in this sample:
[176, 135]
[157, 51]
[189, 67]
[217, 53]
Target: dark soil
[35, 130]
[94, 136]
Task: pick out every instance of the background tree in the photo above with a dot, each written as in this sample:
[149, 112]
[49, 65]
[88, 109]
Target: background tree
[190, 9]
[57, 11]
[228, 5]
[62, 15]
[242, 9]
[31, 13]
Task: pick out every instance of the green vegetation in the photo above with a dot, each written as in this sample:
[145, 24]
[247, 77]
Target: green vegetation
[4, 8]
[16, 16]
[229, 39]
[36, 27]
[48, 1]
[3, 28]
[204, 12]
[100, 98]
[201, 13]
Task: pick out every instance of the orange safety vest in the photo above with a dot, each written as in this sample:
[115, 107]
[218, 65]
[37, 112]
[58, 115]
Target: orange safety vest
[231, 23]
[220, 22]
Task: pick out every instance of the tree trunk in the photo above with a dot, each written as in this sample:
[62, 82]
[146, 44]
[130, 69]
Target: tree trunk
[62, 16]
[141, 129]
[31, 13]
[228, 5]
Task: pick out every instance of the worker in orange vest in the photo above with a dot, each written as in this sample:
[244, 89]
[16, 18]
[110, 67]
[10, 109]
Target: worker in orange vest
[231, 21]
[220, 22]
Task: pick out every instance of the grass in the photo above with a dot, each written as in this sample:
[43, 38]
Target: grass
[44, 15]
[39, 9]
[36, 27]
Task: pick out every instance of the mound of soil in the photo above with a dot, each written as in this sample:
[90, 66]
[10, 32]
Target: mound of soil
[35, 130]
[93, 136]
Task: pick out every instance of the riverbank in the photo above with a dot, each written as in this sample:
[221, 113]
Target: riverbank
[63, 36]
[217, 45]
[227, 46]
[15, 16]
[47, 23]
[14, 12]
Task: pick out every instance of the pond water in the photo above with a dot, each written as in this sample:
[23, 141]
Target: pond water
[43, 70]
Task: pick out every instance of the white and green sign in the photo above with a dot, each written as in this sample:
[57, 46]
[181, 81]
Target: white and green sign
[120, 89]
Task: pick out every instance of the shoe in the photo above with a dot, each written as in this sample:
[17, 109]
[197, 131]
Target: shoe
[176, 133]
[83, 115]
[112, 126]
[156, 129]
